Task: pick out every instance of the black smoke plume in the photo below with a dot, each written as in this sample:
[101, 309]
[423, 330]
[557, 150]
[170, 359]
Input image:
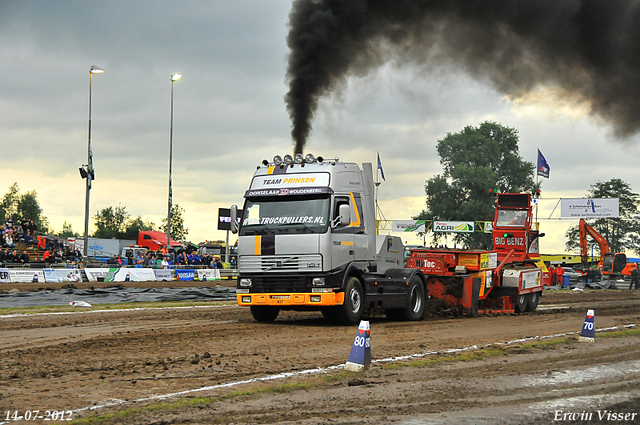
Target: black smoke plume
[587, 48]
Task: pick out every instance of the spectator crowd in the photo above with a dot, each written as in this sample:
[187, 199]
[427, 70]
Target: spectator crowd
[51, 250]
[164, 260]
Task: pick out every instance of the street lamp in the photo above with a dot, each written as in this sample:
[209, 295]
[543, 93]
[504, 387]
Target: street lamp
[174, 78]
[87, 171]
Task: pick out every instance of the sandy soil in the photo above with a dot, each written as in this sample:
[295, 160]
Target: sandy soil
[72, 362]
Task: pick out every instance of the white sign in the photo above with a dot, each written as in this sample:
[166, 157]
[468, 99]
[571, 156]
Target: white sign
[454, 226]
[4, 276]
[163, 275]
[530, 279]
[407, 226]
[134, 275]
[590, 207]
[62, 275]
[208, 274]
[26, 276]
[277, 181]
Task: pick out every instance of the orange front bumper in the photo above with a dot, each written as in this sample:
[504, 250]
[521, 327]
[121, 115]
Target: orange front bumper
[313, 299]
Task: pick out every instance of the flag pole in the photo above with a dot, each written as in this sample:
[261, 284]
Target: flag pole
[538, 200]
[377, 185]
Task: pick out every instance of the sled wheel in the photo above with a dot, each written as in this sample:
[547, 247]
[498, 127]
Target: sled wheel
[534, 299]
[520, 302]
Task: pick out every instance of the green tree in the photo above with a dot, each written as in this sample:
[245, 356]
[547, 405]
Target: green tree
[116, 222]
[621, 232]
[9, 204]
[178, 231]
[111, 222]
[475, 160]
[135, 225]
[20, 206]
[67, 231]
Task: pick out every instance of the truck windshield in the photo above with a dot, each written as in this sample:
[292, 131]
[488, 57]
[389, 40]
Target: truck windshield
[265, 216]
[511, 218]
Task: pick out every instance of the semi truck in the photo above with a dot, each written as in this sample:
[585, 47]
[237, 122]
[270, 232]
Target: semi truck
[307, 241]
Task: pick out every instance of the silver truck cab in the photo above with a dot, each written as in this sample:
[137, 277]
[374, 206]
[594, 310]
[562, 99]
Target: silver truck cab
[307, 241]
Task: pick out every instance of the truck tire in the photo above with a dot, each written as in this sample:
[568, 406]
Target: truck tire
[264, 314]
[417, 301]
[351, 311]
[534, 299]
[520, 301]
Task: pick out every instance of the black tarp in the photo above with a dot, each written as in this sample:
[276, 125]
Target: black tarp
[115, 295]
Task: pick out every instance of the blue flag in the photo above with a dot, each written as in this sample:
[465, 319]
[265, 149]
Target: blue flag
[380, 168]
[543, 167]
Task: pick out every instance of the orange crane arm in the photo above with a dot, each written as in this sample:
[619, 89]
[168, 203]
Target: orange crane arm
[585, 230]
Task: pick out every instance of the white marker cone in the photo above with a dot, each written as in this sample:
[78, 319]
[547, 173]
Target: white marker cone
[588, 333]
[360, 356]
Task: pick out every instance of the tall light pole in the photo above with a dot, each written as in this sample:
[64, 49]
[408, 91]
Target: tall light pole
[174, 78]
[87, 171]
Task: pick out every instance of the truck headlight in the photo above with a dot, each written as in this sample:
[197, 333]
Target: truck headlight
[318, 281]
[246, 283]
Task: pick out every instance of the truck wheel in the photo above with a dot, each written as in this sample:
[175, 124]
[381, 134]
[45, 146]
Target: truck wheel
[351, 311]
[264, 314]
[415, 309]
[534, 298]
[521, 301]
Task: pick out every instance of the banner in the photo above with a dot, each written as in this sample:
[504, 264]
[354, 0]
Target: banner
[590, 208]
[105, 274]
[407, 225]
[163, 275]
[224, 218]
[4, 276]
[454, 226]
[488, 227]
[134, 275]
[185, 274]
[26, 275]
[62, 275]
[208, 274]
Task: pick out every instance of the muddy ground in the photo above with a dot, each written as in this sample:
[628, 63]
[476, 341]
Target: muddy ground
[127, 365]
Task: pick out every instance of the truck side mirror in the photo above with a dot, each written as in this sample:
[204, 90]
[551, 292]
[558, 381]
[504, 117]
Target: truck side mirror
[234, 218]
[344, 215]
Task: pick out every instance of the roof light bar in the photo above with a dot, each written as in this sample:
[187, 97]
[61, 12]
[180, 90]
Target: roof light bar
[299, 158]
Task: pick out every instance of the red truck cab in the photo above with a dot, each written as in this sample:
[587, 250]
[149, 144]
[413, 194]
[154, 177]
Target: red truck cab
[155, 240]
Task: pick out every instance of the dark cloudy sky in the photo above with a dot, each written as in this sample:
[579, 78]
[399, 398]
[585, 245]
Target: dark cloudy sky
[230, 113]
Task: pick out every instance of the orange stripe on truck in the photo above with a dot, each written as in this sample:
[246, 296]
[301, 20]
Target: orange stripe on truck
[257, 244]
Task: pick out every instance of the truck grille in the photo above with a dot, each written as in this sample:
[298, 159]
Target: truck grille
[280, 263]
[281, 283]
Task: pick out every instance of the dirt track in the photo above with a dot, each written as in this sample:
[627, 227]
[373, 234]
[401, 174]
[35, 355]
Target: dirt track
[70, 362]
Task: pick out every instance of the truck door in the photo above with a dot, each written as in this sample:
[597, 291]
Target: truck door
[342, 238]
